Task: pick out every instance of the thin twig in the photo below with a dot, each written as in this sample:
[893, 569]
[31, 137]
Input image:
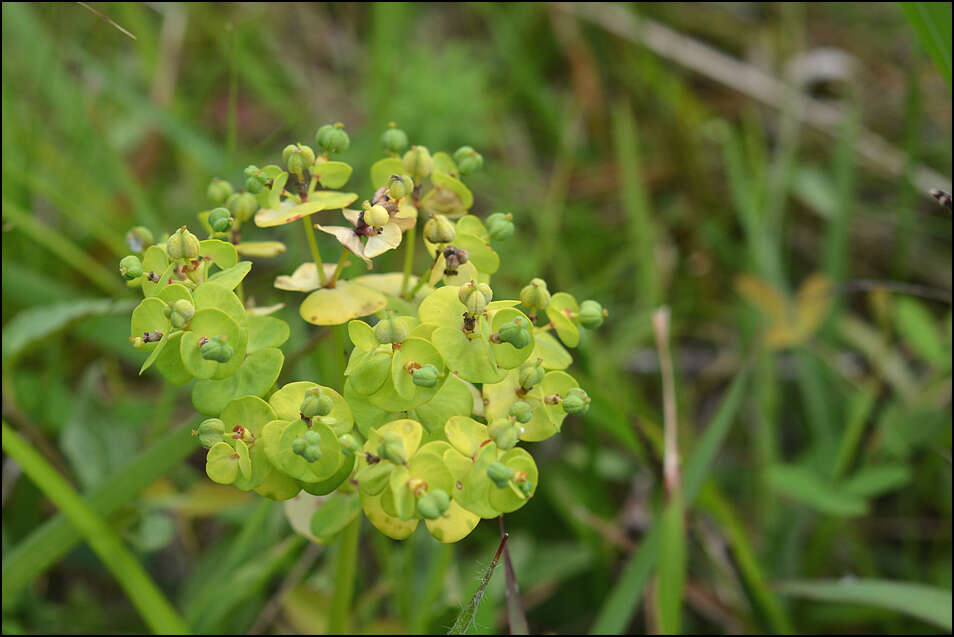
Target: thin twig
[294, 577]
[516, 617]
[671, 455]
[107, 19]
[752, 82]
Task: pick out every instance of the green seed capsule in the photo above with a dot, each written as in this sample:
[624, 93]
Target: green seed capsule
[500, 226]
[181, 313]
[218, 191]
[515, 332]
[376, 216]
[500, 474]
[521, 411]
[130, 267]
[394, 139]
[315, 403]
[333, 140]
[468, 160]
[535, 296]
[321, 136]
[418, 163]
[182, 245]
[591, 315]
[475, 296]
[576, 401]
[242, 206]
[427, 507]
[439, 229]
[220, 219]
[210, 432]
[391, 331]
[139, 238]
[399, 186]
[426, 376]
[349, 444]
[312, 453]
[216, 349]
[392, 448]
[503, 432]
[298, 446]
[531, 374]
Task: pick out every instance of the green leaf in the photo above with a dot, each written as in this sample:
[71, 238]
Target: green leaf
[222, 463]
[672, 567]
[334, 515]
[254, 377]
[927, 603]
[231, 277]
[384, 168]
[266, 331]
[332, 174]
[479, 252]
[221, 253]
[805, 486]
[208, 323]
[558, 311]
[214, 295]
[875, 480]
[155, 609]
[932, 24]
[260, 249]
[31, 326]
[920, 331]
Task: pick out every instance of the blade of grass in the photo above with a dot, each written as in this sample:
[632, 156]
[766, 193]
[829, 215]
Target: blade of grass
[927, 603]
[621, 604]
[155, 609]
[346, 566]
[932, 24]
[57, 537]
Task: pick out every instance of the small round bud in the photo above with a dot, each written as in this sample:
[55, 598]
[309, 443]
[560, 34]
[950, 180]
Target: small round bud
[521, 411]
[500, 474]
[349, 444]
[298, 446]
[210, 432]
[376, 216]
[182, 245]
[254, 179]
[475, 296]
[591, 314]
[181, 313]
[218, 191]
[500, 226]
[391, 331]
[130, 267]
[399, 186]
[139, 238]
[439, 229]
[535, 296]
[418, 163]
[426, 376]
[394, 139]
[315, 403]
[576, 401]
[242, 206]
[332, 139]
[216, 349]
[468, 160]
[433, 504]
[515, 332]
[392, 448]
[531, 374]
[503, 432]
[220, 219]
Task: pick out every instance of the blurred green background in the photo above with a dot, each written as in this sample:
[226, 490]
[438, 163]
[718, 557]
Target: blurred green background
[710, 157]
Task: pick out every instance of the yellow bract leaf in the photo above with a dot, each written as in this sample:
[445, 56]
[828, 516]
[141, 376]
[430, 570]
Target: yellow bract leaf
[304, 278]
[763, 296]
[791, 322]
[812, 303]
[260, 249]
[338, 305]
[289, 211]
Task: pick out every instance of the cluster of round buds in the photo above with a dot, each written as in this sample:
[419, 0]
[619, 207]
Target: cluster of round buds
[391, 331]
[218, 191]
[591, 314]
[216, 349]
[182, 245]
[399, 186]
[139, 238]
[179, 313]
[418, 163]
[426, 376]
[308, 446]
[475, 296]
[521, 411]
[500, 226]
[439, 229]
[220, 219]
[433, 504]
[315, 404]
[130, 267]
[242, 205]
[516, 332]
[298, 158]
[392, 448]
[468, 160]
[454, 257]
[535, 296]
[255, 179]
[394, 139]
[576, 401]
[332, 139]
[531, 374]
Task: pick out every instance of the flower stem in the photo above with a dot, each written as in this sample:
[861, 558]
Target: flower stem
[346, 563]
[408, 260]
[426, 276]
[341, 264]
[315, 255]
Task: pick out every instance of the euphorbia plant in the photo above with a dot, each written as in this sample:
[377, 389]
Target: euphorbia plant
[444, 383]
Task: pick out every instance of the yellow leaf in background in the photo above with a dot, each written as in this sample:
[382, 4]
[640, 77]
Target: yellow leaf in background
[260, 249]
[812, 302]
[764, 297]
[790, 322]
[203, 499]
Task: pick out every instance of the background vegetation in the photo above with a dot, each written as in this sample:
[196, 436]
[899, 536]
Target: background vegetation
[709, 157]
